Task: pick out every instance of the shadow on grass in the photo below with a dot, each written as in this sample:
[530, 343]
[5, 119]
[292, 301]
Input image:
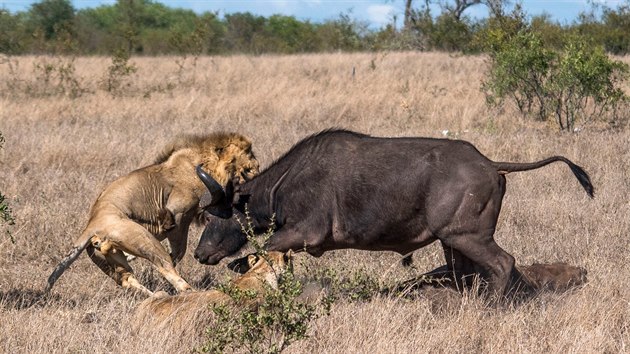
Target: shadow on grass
[22, 299]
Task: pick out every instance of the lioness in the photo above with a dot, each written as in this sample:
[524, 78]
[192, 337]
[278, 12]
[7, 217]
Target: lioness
[263, 273]
[137, 211]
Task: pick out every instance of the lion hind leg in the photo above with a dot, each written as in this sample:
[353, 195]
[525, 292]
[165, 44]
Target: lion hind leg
[138, 241]
[114, 263]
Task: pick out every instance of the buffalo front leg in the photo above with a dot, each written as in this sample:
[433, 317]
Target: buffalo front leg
[115, 265]
[460, 267]
[483, 251]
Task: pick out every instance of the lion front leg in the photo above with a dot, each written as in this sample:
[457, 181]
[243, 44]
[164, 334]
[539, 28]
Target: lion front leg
[178, 238]
[166, 220]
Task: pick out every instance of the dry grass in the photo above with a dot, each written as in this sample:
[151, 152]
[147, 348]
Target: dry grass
[61, 152]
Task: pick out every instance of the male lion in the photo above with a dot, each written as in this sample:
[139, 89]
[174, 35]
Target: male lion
[182, 311]
[137, 211]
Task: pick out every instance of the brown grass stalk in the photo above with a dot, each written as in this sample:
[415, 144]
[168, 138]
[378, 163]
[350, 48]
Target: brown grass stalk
[60, 152]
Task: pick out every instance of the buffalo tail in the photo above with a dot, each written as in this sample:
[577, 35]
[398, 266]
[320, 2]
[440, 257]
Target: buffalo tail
[580, 174]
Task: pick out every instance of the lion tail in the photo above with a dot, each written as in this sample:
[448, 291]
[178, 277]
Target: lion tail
[79, 245]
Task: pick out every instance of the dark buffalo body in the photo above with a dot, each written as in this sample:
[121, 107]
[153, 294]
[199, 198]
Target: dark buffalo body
[339, 189]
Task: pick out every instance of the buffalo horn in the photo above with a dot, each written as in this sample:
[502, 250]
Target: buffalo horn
[215, 189]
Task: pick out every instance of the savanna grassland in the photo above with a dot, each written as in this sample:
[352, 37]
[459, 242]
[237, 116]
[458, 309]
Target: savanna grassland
[60, 152]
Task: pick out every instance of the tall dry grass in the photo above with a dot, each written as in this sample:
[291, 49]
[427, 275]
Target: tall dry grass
[60, 152]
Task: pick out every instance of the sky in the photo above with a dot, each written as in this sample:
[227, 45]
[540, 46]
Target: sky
[376, 13]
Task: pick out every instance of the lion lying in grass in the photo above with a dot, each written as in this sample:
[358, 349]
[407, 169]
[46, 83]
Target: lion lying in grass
[179, 310]
[137, 211]
[525, 280]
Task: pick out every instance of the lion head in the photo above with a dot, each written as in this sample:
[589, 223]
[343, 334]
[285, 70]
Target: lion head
[226, 156]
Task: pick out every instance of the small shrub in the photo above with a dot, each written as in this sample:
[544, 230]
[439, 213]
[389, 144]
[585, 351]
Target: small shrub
[55, 76]
[585, 84]
[115, 80]
[577, 83]
[272, 326]
[520, 68]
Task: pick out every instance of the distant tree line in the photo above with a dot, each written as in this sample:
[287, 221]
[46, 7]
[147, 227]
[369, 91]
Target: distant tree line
[145, 27]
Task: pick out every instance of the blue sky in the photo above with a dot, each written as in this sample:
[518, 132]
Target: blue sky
[376, 12]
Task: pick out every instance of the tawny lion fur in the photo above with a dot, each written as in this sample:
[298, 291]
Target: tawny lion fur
[185, 311]
[137, 211]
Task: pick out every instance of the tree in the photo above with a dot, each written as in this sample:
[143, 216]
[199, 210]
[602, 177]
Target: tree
[457, 8]
[408, 14]
[52, 17]
[12, 35]
[129, 26]
[242, 30]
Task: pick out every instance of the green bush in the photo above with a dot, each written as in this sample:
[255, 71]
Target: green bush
[578, 83]
[279, 320]
[585, 83]
[520, 68]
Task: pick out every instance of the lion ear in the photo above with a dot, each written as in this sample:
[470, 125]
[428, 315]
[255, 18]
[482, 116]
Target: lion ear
[251, 260]
[287, 256]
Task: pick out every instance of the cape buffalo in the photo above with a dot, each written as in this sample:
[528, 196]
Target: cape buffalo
[339, 189]
[137, 211]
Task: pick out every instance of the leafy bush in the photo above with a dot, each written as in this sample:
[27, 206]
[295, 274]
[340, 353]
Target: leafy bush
[577, 83]
[278, 321]
[520, 68]
[585, 83]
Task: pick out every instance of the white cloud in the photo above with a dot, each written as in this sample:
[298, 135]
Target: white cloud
[380, 14]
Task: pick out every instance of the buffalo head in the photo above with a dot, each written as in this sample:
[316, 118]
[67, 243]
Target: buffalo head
[220, 238]
[222, 235]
